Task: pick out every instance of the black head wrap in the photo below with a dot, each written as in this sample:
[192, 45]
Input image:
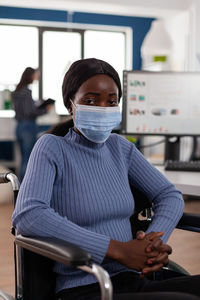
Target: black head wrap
[80, 71]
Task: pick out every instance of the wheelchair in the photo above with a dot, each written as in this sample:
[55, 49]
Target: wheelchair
[35, 257]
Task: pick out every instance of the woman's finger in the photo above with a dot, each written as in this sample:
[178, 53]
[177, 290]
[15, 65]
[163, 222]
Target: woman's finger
[154, 268]
[161, 258]
[140, 235]
[153, 235]
[152, 254]
[155, 245]
[166, 248]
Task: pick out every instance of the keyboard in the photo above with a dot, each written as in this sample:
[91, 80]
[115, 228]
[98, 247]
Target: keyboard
[176, 165]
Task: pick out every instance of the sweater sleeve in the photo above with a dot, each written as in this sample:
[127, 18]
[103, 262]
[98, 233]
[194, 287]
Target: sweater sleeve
[33, 214]
[168, 204]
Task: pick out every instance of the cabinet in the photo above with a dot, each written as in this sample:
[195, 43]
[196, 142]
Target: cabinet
[9, 156]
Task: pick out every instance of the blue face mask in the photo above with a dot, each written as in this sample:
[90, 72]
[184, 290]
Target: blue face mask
[96, 122]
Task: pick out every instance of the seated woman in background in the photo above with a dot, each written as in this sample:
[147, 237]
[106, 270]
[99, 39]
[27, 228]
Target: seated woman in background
[77, 188]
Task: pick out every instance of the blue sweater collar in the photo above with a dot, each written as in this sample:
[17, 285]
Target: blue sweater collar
[80, 139]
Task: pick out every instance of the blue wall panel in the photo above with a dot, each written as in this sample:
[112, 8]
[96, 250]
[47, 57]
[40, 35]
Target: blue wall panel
[19, 13]
[139, 25]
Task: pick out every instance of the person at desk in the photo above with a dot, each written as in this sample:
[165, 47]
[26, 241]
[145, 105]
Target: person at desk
[26, 113]
[77, 188]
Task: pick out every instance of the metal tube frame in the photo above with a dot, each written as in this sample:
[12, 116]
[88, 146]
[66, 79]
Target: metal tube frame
[5, 296]
[12, 178]
[103, 279]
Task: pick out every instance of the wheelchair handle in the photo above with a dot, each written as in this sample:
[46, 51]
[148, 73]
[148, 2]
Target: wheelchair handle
[3, 178]
[10, 177]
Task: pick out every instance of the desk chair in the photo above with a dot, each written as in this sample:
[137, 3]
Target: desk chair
[34, 257]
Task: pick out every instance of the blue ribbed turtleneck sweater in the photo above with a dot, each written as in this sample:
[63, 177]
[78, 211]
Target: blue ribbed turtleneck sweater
[78, 191]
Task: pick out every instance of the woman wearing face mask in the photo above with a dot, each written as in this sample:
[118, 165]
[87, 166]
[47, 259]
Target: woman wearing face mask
[26, 112]
[76, 188]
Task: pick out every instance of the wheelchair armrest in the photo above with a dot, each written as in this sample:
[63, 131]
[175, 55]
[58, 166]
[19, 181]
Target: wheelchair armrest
[68, 254]
[189, 222]
[55, 249]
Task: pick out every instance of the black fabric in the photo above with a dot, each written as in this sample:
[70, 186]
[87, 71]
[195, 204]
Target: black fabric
[62, 128]
[38, 277]
[189, 220]
[141, 204]
[128, 285]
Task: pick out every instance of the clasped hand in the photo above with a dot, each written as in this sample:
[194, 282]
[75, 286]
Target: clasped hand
[146, 253]
[157, 252]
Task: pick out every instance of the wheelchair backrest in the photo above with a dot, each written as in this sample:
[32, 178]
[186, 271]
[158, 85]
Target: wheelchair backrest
[141, 205]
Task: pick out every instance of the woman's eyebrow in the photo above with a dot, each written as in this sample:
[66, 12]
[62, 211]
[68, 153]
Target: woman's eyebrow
[113, 94]
[98, 94]
[92, 93]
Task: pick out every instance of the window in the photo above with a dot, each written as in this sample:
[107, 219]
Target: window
[60, 49]
[108, 46]
[19, 49]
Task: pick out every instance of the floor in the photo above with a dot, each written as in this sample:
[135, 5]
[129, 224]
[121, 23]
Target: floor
[186, 246]
[6, 250]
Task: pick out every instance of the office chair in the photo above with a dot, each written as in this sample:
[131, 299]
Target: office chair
[34, 257]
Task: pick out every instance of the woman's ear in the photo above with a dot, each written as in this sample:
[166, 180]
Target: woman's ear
[70, 110]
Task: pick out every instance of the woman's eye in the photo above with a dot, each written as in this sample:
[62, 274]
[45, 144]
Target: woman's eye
[89, 101]
[113, 102]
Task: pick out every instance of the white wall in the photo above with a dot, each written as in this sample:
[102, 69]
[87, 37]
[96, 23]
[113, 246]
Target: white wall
[144, 8]
[179, 29]
[196, 14]
[184, 30]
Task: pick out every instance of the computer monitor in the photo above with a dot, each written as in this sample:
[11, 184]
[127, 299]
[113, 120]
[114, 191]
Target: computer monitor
[161, 103]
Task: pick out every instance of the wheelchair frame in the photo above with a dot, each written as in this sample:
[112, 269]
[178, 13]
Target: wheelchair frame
[54, 249]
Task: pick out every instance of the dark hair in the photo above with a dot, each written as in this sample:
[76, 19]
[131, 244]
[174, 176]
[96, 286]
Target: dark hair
[26, 78]
[62, 128]
[80, 71]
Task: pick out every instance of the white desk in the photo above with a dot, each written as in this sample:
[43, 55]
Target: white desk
[187, 182]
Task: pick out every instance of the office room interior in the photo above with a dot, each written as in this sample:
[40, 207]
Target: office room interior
[142, 37]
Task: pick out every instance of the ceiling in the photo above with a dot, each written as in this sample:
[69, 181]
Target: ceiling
[153, 8]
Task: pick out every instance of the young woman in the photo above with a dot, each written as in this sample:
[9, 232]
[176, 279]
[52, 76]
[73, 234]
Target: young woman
[26, 113]
[77, 188]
